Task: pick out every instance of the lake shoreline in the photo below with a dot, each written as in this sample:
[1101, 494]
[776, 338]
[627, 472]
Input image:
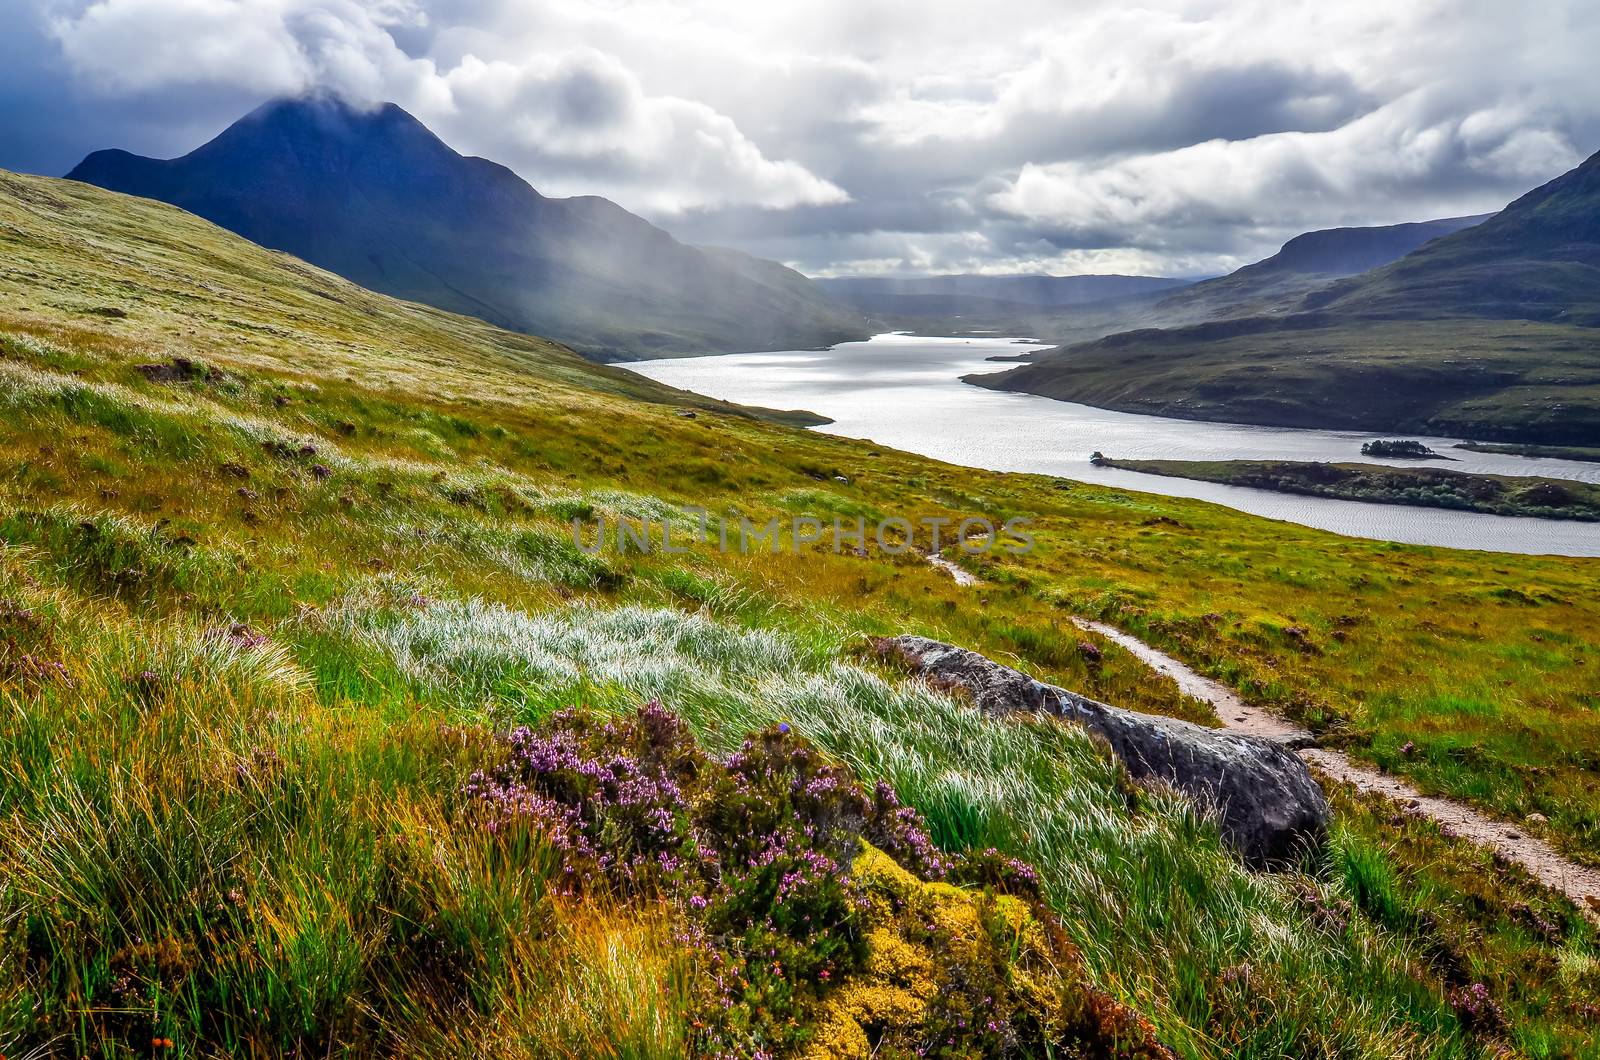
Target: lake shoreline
[1427, 487]
[904, 392]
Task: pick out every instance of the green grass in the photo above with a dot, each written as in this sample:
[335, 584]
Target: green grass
[246, 844]
[1500, 380]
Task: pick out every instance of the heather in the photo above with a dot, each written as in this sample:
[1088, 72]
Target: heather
[758, 854]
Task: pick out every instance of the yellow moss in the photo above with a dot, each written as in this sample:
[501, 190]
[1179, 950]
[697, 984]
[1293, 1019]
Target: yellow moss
[925, 939]
[882, 875]
[901, 975]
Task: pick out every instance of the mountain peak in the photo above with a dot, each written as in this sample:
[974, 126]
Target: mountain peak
[372, 194]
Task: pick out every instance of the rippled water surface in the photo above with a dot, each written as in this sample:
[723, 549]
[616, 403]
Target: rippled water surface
[905, 392]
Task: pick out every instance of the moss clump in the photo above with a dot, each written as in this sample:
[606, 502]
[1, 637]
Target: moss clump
[965, 972]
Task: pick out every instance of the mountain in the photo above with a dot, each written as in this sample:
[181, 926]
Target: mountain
[1539, 259]
[1304, 264]
[379, 199]
[1080, 308]
[1492, 331]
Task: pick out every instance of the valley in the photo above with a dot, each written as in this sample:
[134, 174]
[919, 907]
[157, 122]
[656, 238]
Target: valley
[1487, 331]
[287, 568]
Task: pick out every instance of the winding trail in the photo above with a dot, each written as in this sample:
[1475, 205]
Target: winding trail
[1550, 868]
[1578, 882]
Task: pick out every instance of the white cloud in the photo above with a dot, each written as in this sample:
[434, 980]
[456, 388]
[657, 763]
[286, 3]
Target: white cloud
[571, 121]
[1386, 167]
[1173, 135]
[584, 118]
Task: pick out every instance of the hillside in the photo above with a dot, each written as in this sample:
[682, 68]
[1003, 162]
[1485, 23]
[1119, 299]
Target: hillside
[1538, 259]
[1489, 332]
[380, 200]
[320, 734]
[1306, 263]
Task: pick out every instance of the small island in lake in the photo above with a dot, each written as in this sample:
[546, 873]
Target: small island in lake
[1400, 450]
[1542, 498]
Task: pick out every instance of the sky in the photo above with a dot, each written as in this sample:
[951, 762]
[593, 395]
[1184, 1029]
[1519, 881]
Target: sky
[1168, 137]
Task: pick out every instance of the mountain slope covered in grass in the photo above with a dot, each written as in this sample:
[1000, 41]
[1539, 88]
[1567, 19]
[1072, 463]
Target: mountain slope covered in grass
[291, 620]
[1490, 332]
[1304, 264]
[1538, 259]
[377, 198]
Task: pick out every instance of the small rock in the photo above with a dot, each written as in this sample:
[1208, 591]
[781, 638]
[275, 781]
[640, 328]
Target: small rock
[687, 414]
[1538, 818]
[321, 472]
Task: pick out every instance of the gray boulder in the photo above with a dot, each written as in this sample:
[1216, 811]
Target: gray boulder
[1269, 806]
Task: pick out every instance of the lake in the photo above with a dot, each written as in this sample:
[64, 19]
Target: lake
[905, 392]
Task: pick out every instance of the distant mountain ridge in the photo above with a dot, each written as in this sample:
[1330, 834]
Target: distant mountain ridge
[1077, 308]
[378, 198]
[1304, 264]
[1538, 259]
[1489, 332]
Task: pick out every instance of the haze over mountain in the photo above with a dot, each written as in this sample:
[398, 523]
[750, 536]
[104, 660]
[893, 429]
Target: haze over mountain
[1304, 264]
[1492, 331]
[376, 197]
[1080, 308]
[946, 295]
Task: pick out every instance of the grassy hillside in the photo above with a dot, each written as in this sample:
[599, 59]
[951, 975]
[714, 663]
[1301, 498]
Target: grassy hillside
[287, 566]
[1492, 331]
[1538, 259]
[1504, 380]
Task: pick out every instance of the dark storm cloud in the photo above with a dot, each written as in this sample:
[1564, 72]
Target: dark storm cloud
[1181, 136]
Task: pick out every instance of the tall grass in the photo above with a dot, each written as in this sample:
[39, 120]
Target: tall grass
[1165, 916]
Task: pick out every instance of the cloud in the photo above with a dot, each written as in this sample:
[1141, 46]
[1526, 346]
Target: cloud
[1393, 165]
[1175, 136]
[584, 117]
[572, 121]
[269, 47]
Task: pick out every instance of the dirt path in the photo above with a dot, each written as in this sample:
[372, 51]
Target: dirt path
[1577, 882]
[961, 575]
[1580, 884]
